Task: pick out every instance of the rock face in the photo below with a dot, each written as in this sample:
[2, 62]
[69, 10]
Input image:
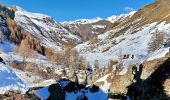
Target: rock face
[154, 86]
[2, 61]
[56, 92]
[149, 81]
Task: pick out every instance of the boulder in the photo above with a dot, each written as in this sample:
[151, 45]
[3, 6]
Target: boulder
[56, 92]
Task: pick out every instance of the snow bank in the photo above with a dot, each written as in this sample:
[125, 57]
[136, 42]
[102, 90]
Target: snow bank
[83, 21]
[6, 46]
[158, 54]
[9, 80]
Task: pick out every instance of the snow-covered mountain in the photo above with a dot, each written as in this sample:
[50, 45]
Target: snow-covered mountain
[121, 17]
[122, 42]
[51, 33]
[130, 37]
[83, 21]
[89, 28]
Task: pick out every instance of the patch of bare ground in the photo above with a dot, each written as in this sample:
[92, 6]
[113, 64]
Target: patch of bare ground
[15, 95]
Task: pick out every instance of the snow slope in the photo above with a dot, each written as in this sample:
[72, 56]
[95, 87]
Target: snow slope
[115, 18]
[83, 21]
[51, 33]
[126, 44]
[9, 80]
[6, 46]
[110, 47]
[158, 53]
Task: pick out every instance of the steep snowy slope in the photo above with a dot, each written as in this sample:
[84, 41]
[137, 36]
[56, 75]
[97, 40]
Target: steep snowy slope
[130, 37]
[108, 48]
[9, 80]
[44, 28]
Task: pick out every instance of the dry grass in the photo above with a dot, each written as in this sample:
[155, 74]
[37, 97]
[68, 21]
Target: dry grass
[99, 84]
[167, 55]
[156, 12]
[14, 8]
[119, 83]
[167, 87]
[151, 66]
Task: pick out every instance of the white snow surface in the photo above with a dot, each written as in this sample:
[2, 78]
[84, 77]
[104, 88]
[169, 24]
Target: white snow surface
[9, 80]
[99, 26]
[6, 46]
[115, 18]
[83, 21]
[158, 53]
[135, 44]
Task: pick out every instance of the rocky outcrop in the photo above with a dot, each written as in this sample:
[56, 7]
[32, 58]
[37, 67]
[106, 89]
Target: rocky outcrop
[15, 95]
[66, 90]
[150, 80]
[154, 87]
[56, 92]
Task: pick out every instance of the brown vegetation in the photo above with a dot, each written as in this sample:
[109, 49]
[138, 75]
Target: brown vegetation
[151, 66]
[93, 40]
[110, 66]
[155, 12]
[157, 41]
[119, 83]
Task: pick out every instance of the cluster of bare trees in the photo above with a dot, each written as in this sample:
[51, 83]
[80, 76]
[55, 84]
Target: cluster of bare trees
[24, 50]
[68, 57]
[157, 41]
[72, 59]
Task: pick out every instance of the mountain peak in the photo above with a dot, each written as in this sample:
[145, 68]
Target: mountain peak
[33, 15]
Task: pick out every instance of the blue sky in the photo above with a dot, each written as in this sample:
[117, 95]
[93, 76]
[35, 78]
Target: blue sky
[64, 10]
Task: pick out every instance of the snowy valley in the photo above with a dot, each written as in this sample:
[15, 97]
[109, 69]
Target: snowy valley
[124, 57]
